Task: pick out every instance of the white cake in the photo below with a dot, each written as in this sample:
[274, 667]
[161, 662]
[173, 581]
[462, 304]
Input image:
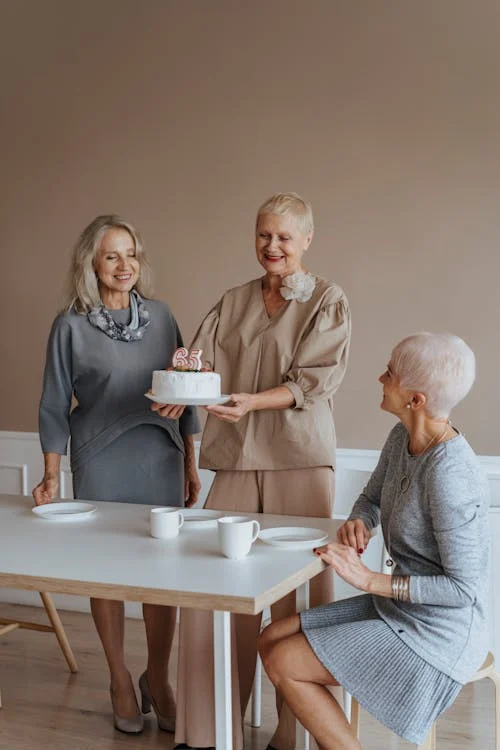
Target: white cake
[171, 384]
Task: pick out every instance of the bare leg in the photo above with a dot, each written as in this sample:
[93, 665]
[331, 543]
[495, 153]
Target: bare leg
[160, 628]
[284, 493]
[321, 591]
[109, 619]
[284, 736]
[302, 680]
[277, 632]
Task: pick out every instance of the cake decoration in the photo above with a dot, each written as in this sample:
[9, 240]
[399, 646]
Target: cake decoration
[186, 380]
[187, 361]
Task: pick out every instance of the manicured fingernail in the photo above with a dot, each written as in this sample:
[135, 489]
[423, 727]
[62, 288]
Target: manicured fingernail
[361, 550]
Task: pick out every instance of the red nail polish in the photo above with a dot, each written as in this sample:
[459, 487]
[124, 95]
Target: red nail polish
[361, 550]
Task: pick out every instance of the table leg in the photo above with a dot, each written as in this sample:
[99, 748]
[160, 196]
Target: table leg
[302, 597]
[302, 603]
[222, 672]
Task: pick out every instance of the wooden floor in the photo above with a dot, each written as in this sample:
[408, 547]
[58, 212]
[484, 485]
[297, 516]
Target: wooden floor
[46, 708]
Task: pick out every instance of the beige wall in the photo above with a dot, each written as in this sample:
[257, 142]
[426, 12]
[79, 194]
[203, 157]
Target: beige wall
[185, 114]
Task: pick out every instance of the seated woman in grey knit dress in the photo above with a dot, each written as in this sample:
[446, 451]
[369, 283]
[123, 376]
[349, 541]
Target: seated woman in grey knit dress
[406, 646]
[102, 350]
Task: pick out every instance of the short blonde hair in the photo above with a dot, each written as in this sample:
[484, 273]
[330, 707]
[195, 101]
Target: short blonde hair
[289, 203]
[82, 288]
[440, 365]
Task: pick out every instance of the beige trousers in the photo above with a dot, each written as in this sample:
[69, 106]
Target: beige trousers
[294, 492]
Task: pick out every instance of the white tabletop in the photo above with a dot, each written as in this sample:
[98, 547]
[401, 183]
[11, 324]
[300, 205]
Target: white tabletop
[112, 555]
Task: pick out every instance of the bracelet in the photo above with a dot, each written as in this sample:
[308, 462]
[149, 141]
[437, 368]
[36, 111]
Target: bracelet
[400, 586]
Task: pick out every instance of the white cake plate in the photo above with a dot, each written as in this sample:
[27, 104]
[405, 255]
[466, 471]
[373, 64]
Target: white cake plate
[70, 511]
[293, 537]
[199, 518]
[222, 399]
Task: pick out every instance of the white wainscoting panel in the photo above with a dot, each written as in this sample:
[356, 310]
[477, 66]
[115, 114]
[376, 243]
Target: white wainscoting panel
[14, 478]
[66, 483]
[494, 482]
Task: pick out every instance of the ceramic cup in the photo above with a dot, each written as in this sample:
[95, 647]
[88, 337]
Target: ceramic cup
[164, 523]
[236, 535]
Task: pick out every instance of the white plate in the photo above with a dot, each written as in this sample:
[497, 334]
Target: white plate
[72, 511]
[293, 537]
[200, 519]
[222, 399]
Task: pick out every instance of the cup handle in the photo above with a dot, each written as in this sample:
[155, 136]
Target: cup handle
[257, 530]
[181, 521]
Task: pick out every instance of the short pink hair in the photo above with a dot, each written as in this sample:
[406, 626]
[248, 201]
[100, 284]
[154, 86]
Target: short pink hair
[440, 365]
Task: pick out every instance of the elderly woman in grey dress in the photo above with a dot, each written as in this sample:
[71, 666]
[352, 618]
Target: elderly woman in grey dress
[102, 350]
[406, 646]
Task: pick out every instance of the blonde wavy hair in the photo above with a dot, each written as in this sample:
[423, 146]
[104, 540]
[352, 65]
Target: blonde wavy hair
[280, 204]
[82, 293]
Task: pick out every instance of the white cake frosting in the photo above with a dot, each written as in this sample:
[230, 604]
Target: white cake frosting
[168, 384]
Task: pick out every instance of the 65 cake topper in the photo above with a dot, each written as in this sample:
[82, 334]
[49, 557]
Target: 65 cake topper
[184, 360]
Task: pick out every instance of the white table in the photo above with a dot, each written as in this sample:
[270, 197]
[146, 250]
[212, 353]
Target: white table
[112, 556]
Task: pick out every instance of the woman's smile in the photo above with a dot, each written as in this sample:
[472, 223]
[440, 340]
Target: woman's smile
[123, 276]
[280, 242]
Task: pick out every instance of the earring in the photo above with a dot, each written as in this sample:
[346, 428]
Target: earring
[408, 406]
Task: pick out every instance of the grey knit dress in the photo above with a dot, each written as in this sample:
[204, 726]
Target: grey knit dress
[387, 678]
[120, 450]
[406, 662]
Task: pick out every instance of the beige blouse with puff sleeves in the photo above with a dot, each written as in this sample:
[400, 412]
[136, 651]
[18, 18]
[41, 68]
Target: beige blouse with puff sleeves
[304, 346]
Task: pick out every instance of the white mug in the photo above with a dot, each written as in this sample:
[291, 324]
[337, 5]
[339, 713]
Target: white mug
[164, 523]
[236, 535]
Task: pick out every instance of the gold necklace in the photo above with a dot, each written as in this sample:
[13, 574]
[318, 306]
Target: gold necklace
[435, 440]
[405, 483]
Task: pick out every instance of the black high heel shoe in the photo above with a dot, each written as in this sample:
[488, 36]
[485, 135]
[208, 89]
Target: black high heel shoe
[167, 723]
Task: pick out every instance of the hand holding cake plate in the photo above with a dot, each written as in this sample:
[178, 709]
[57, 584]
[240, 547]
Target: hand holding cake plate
[240, 405]
[186, 383]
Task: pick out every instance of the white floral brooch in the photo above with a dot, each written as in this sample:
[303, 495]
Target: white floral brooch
[299, 286]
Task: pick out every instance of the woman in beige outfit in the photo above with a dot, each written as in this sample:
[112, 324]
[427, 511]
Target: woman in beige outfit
[280, 343]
